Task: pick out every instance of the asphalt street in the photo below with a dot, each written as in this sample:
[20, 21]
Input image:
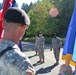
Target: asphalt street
[47, 68]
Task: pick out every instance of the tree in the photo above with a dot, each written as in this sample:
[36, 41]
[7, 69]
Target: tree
[66, 10]
[38, 15]
[26, 7]
[42, 21]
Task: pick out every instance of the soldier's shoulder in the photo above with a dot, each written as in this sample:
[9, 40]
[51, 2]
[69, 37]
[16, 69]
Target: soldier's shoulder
[58, 38]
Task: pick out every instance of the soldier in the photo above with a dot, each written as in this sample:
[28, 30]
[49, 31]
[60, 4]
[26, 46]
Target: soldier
[41, 41]
[56, 45]
[12, 60]
[36, 45]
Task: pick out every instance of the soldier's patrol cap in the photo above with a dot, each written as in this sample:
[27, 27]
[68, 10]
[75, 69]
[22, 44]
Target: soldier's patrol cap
[16, 15]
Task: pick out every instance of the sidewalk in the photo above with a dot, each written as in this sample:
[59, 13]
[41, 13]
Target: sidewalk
[46, 68]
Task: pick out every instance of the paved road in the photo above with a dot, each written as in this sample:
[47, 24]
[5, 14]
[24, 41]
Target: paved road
[47, 68]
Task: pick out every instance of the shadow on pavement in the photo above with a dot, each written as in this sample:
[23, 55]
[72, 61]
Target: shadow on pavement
[31, 56]
[36, 64]
[45, 70]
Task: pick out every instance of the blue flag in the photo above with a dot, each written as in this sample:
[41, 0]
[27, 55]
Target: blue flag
[74, 52]
[70, 38]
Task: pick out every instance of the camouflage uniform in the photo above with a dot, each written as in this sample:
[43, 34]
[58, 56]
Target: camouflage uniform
[36, 45]
[13, 62]
[56, 44]
[41, 47]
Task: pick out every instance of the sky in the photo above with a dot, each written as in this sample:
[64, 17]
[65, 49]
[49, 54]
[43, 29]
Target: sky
[25, 1]
[20, 2]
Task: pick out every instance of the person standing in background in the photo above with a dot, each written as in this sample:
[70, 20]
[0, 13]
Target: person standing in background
[36, 45]
[41, 41]
[56, 45]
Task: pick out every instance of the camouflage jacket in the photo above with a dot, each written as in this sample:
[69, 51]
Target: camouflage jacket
[56, 43]
[13, 62]
[41, 41]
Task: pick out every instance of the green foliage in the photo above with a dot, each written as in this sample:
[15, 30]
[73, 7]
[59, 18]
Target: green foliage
[65, 13]
[63, 41]
[47, 40]
[29, 39]
[38, 15]
[42, 21]
[26, 7]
